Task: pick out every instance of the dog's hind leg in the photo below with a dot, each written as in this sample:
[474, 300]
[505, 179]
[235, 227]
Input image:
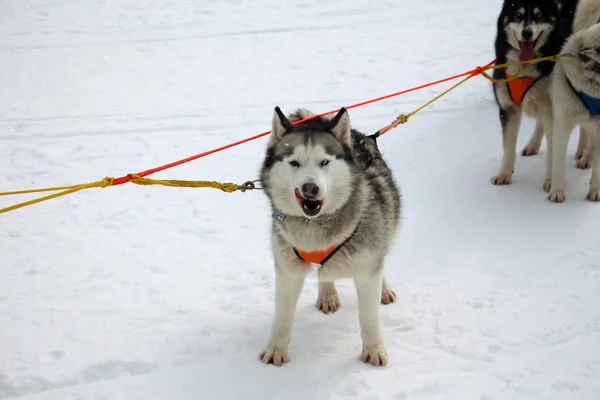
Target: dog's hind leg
[594, 193]
[368, 290]
[387, 294]
[535, 142]
[584, 143]
[585, 150]
[328, 300]
[288, 285]
[510, 118]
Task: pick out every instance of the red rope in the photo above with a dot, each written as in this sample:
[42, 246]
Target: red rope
[129, 177]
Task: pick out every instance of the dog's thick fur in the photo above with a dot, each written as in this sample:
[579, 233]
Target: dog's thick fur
[582, 69]
[357, 190]
[549, 22]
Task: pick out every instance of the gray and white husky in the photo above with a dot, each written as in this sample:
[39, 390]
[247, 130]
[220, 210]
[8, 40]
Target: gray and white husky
[576, 94]
[335, 204]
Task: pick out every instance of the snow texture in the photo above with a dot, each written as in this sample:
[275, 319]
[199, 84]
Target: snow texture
[164, 293]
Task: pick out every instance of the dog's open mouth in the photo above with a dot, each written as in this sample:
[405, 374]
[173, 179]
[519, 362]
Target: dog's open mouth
[310, 207]
[527, 50]
[590, 63]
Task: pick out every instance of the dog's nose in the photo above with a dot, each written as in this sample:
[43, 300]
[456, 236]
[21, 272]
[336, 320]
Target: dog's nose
[527, 34]
[310, 190]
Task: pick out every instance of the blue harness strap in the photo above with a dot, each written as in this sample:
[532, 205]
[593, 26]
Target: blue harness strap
[591, 103]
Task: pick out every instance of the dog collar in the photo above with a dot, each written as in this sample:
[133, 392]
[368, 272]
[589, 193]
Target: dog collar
[591, 103]
[320, 257]
[278, 215]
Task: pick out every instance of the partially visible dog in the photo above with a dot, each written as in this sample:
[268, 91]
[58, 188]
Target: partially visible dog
[566, 12]
[567, 15]
[335, 204]
[576, 94]
[527, 29]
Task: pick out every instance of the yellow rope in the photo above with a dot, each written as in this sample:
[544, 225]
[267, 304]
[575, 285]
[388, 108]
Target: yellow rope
[403, 118]
[63, 191]
[227, 187]
[232, 187]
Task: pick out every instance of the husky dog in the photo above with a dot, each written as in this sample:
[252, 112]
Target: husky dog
[334, 204]
[576, 93]
[566, 10]
[527, 29]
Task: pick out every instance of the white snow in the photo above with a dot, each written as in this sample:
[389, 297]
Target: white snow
[164, 293]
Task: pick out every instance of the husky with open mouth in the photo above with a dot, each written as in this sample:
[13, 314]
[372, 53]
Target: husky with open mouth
[576, 95]
[527, 29]
[336, 205]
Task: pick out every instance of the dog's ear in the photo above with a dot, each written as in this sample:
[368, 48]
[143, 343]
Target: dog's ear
[280, 126]
[340, 127]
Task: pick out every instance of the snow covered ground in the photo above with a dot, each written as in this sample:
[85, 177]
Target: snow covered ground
[163, 293]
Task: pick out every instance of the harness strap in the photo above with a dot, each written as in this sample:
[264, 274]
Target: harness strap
[322, 256]
[591, 103]
[518, 88]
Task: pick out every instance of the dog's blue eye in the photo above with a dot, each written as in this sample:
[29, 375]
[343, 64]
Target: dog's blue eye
[324, 163]
[294, 163]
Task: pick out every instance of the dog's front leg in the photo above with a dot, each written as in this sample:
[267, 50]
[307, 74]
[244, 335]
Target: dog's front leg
[549, 128]
[510, 119]
[368, 290]
[558, 156]
[288, 285]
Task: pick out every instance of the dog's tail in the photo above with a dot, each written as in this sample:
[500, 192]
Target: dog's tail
[300, 114]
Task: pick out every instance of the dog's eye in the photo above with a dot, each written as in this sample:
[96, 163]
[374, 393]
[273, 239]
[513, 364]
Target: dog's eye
[324, 163]
[294, 163]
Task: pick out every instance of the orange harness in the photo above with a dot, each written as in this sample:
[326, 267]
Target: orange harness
[322, 256]
[518, 87]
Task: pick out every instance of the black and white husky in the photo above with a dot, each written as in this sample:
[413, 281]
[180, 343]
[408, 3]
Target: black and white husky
[335, 204]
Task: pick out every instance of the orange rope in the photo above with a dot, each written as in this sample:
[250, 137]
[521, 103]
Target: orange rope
[127, 178]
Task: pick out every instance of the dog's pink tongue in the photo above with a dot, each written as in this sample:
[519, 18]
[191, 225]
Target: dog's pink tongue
[527, 51]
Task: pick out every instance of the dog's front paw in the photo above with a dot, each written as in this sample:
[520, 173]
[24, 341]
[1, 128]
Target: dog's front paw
[376, 355]
[502, 179]
[276, 355]
[387, 295]
[557, 196]
[328, 302]
[593, 195]
[581, 153]
[530, 150]
[547, 185]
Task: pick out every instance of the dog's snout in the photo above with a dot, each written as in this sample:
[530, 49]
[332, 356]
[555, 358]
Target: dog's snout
[310, 190]
[527, 34]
